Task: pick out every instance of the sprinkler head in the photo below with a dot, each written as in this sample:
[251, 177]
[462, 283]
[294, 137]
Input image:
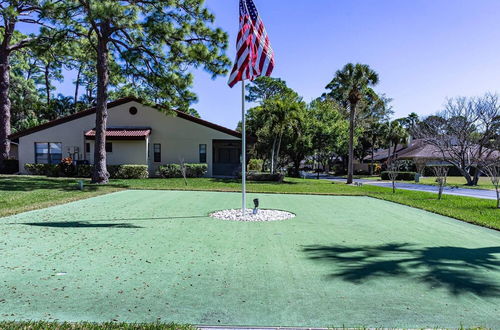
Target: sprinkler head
[256, 204]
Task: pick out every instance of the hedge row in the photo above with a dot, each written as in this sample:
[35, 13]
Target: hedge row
[174, 170]
[10, 166]
[261, 176]
[42, 169]
[256, 176]
[406, 176]
[128, 171]
[85, 171]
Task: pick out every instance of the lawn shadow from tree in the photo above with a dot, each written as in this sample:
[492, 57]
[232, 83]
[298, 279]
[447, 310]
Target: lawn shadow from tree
[95, 223]
[80, 224]
[452, 268]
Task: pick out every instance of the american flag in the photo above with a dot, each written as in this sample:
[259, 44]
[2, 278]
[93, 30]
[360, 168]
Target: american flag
[254, 57]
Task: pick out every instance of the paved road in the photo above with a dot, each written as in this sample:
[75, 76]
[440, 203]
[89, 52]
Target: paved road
[477, 193]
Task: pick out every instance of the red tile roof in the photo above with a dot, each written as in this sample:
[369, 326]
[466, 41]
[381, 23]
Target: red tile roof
[122, 133]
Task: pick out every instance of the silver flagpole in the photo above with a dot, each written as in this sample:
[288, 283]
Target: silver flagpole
[243, 151]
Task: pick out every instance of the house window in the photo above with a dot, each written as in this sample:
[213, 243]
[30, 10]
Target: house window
[109, 147]
[48, 152]
[157, 152]
[203, 153]
[87, 147]
[132, 110]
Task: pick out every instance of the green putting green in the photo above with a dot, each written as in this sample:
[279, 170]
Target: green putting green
[146, 256]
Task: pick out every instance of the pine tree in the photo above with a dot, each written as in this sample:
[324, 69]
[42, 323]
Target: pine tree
[153, 42]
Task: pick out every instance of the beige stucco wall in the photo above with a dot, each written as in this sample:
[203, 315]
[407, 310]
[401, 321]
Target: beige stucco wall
[179, 138]
[70, 134]
[124, 152]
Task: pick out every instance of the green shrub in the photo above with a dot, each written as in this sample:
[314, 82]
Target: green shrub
[196, 170]
[259, 176]
[10, 166]
[255, 164]
[276, 177]
[66, 169]
[52, 170]
[113, 170]
[406, 176]
[128, 171]
[174, 170]
[42, 169]
[117, 171]
[170, 171]
[84, 170]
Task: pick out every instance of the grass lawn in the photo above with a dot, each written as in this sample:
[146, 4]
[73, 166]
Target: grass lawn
[155, 256]
[22, 193]
[459, 181]
[42, 325]
[484, 182]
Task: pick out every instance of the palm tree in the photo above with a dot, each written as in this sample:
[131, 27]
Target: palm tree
[278, 114]
[395, 134]
[351, 85]
[375, 132]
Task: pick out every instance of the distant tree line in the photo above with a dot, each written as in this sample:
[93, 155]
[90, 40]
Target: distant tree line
[351, 121]
[116, 48]
[146, 48]
[333, 128]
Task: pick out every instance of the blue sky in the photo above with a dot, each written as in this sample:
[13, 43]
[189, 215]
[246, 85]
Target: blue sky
[423, 50]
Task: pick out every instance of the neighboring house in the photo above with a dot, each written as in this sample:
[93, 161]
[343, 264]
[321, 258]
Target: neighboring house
[416, 150]
[381, 155]
[136, 134]
[422, 154]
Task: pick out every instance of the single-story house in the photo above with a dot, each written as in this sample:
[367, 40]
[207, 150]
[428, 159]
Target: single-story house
[423, 154]
[136, 134]
[381, 155]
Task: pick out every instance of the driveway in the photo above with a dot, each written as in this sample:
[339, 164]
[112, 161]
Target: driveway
[477, 193]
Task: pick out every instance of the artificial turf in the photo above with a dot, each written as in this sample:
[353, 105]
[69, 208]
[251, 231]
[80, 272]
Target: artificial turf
[20, 193]
[155, 256]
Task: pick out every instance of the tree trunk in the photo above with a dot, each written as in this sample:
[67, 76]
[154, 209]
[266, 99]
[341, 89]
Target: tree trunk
[468, 178]
[89, 95]
[100, 174]
[475, 178]
[296, 167]
[498, 197]
[440, 193]
[4, 107]
[372, 161]
[47, 84]
[318, 162]
[272, 155]
[350, 166]
[278, 152]
[4, 92]
[77, 86]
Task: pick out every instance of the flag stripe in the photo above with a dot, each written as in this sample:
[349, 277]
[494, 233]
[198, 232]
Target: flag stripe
[254, 55]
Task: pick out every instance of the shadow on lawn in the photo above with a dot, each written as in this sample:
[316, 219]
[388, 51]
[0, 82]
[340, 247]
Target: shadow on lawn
[80, 224]
[453, 268]
[89, 223]
[20, 183]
